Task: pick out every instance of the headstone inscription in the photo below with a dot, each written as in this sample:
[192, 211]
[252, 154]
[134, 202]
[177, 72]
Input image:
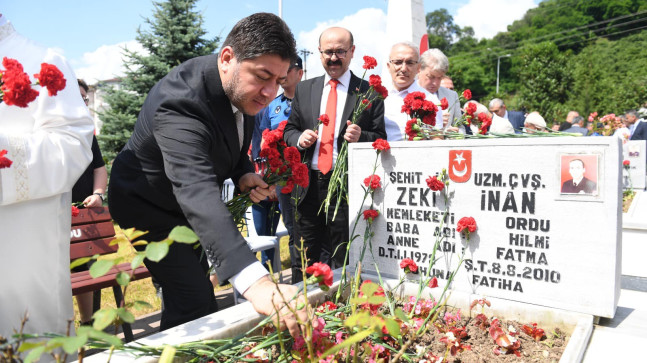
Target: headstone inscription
[547, 210]
[633, 177]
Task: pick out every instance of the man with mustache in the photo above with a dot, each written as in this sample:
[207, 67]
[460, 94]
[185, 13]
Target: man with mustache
[192, 134]
[333, 94]
[403, 64]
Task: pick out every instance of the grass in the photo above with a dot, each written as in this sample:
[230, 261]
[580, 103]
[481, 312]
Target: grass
[143, 290]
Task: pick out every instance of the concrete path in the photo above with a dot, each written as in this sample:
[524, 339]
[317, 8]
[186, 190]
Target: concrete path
[622, 338]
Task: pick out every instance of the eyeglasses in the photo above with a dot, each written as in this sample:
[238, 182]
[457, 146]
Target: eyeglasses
[341, 53]
[399, 62]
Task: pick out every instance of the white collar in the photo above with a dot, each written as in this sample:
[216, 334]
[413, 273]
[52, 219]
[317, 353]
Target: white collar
[344, 80]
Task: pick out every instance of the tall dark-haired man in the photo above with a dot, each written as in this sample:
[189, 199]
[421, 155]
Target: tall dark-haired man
[334, 94]
[192, 133]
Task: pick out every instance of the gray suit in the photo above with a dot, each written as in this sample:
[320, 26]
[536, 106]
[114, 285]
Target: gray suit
[452, 100]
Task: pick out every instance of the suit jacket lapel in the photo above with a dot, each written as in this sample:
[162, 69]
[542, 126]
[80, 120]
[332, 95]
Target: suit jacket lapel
[349, 106]
[316, 92]
[221, 108]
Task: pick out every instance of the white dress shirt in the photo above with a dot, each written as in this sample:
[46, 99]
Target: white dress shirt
[342, 94]
[395, 120]
[501, 125]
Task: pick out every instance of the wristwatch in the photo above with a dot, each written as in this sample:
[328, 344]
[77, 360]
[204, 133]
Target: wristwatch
[100, 196]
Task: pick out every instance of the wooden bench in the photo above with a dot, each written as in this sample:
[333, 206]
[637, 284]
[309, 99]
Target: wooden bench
[91, 233]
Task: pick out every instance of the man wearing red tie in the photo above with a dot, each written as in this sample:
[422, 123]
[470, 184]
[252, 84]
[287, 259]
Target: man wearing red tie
[333, 94]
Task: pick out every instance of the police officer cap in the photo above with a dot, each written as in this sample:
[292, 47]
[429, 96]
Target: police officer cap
[298, 63]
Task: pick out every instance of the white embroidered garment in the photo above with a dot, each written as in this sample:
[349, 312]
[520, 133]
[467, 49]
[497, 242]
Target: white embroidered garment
[49, 144]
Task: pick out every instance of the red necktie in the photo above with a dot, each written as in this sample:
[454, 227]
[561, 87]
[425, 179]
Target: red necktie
[328, 134]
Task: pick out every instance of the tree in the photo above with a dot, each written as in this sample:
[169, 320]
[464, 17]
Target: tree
[175, 34]
[442, 32]
[545, 79]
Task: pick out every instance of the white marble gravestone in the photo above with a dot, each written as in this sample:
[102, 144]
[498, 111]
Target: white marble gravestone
[536, 241]
[636, 152]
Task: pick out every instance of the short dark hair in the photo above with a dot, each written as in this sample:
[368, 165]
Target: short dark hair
[260, 34]
[83, 85]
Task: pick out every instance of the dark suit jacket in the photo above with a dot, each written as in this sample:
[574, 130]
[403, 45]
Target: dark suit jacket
[587, 186]
[185, 144]
[640, 133]
[306, 110]
[517, 119]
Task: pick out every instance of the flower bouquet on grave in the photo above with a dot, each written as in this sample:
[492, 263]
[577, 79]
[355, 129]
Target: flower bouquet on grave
[422, 115]
[338, 186]
[283, 167]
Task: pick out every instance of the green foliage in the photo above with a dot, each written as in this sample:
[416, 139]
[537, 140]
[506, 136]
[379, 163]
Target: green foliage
[583, 55]
[173, 35]
[442, 31]
[610, 76]
[545, 78]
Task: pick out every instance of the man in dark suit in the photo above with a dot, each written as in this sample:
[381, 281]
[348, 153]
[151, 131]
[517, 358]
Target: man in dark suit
[516, 118]
[579, 184]
[190, 136]
[334, 94]
[637, 128]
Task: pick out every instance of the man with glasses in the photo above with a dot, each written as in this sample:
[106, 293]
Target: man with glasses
[333, 94]
[504, 121]
[266, 213]
[433, 66]
[403, 66]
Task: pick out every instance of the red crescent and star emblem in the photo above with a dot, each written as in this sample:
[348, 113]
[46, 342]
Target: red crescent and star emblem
[460, 165]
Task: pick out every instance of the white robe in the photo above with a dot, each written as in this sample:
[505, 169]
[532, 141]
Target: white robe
[49, 144]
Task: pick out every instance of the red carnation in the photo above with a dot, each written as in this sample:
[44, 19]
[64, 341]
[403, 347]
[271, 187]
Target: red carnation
[433, 283]
[287, 188]
[282, 126]
[467, 94]
[75, 211]
[16, 85]
[374, 80]
[444, 104]
[271, 137]
[434, 184]
[51, 77]
[411, 129]
[409, 265]
[324, 119]
[323, 274]
[372, 182]
[370, 214]
[292, 155]
[384, 93]
[467, 224]
[369, 62]
[4, 161]
[471, 108]
[300, 174]
[326, 306]
[626, 163]
[270, 154]
[381, 145]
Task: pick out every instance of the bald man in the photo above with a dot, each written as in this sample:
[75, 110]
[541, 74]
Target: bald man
[326, 239]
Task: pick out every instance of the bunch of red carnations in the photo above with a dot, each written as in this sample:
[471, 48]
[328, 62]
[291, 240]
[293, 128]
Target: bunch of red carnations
[281, 166]
[16, 87]
[423, 116]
